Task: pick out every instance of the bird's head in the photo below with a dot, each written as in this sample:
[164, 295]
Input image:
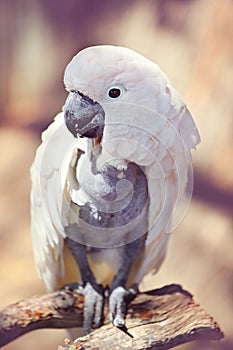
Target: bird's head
[98, 77]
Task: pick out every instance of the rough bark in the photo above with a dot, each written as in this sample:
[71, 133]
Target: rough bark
[158, 319]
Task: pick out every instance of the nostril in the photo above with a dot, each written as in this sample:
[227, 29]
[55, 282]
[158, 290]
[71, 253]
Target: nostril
[87, 99]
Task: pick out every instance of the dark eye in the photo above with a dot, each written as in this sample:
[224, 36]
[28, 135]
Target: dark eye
[114, 92]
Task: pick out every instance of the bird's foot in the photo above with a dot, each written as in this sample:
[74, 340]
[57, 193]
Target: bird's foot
[118, 302]
[93, 304]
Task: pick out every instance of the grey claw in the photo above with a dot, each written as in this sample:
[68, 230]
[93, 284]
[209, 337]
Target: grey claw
[118, 301]
[93, 307]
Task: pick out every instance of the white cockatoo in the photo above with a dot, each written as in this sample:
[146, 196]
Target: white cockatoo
[112, 170]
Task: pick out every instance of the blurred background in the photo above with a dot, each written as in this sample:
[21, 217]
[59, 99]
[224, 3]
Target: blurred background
[192, 42]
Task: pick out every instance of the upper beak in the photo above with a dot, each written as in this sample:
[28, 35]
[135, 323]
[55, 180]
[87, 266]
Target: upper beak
[83, 116]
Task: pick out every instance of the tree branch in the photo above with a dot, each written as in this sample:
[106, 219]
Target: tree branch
[159, 319]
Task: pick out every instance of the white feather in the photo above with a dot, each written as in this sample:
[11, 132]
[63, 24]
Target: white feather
[47, 200]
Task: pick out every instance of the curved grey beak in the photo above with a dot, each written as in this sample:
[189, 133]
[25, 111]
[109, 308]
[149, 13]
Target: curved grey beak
[83, 116]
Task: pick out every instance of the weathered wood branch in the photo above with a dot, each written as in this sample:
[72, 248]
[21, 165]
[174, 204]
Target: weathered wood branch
[159, 319]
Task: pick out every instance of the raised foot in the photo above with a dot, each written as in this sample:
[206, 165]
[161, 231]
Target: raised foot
[93, 304]
[118, 302]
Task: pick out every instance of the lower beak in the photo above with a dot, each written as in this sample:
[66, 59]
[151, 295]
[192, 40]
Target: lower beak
[83, 116]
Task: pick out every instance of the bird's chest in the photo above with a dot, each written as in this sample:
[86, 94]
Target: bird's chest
[115, 195]
[110, 208]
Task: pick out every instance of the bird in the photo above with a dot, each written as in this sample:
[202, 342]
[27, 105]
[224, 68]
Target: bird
[109, 179]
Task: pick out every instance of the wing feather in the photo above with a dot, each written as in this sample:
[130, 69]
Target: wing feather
[48, 176]
[180, 135]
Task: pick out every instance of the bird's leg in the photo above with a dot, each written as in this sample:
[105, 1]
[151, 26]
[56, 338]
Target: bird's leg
[120, 297]
[93, 292]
